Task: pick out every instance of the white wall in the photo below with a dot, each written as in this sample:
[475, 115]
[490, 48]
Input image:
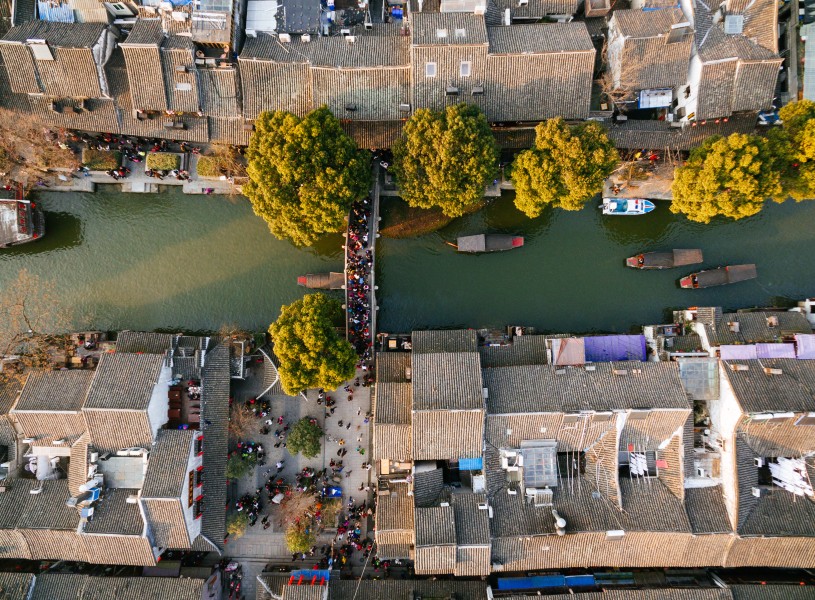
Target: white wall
[691, 102]
[160, 401]
[725, 414]
[193, 524]
[615, 50]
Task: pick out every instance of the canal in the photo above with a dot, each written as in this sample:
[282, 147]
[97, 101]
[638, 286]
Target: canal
[171, 261]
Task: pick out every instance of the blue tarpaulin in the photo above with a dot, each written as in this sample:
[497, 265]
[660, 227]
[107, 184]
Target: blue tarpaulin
[470, 464]
[574, 581]
[309, 573]
[531, 583]
[605, 348]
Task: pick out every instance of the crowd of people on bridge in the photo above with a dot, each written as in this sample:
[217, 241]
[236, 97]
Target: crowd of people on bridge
[359, 289]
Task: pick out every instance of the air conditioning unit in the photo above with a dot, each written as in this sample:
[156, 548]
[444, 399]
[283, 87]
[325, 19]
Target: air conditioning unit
[404, 108]
[770, 371]
[737, 367]
[305, 38]
[350, 39]
[591, 368]
[758, 492]
[615, 534]
[285, 38]
[512, 492]
[345, 32]
[734, 326]
[482, 506]
[759, 461]
[700, 472]
[180, 69]
[478, 90]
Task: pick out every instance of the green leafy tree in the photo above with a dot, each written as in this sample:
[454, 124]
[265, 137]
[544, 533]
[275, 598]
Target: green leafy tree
[237, 466]
[565, 168]
[304, 174]
[445, 158]
[236, 524]
[300, 538]
[730, 177]
[304, 438]
[311, 353]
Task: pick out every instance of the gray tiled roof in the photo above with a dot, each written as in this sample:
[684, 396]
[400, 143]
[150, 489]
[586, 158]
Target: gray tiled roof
[59, 586]
[143, 342]
[374, 135]
[392, 403]
[220, 90]
[447, 381]
[145, 31]
[46, 510]
[753, 327]
[540, 38]
[447, 434]
[124, 381]
[438, 341]
[714, 44]
[394, 511]
[706, 510]
[427, 25]
[55, 390]
[365, 51]
[695, 593]
[659, 135]
[771, 592]
[523, 350]
[167, 468]
[435, 526]
[391, 366]
[9, 392]
[535, 9]
[542, 389]
[637, 23]
[472, 523]
[780, 513]
[61, 35]
[144, 588]
[113, 515]
[427, 487]
[756, 391]
[17, 586]
[409, 589]
[215, 419]
[167, 523]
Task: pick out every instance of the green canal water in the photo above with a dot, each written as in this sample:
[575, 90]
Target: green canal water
[170, 261]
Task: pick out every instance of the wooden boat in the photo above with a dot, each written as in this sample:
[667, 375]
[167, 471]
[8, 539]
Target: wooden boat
[664, 260]
[322, 281]
[626, 206]
[720, 276]
[489, 242]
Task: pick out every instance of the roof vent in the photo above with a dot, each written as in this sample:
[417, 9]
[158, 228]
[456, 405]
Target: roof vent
[485, 393]
[620, 371]
[482, 506]
[132, 499]
[451, 91]
[560, 371]
[408, 373]
[759, 461]
[404, 107]
[615, 534]
[351, 107]
[771, 371]
[345, 32]
[734, 24]
[441, 33]
[29, 440]
[734, 326]
[591, 368]
[523, 2]
[678, 32]
[350, 39]
[181, 69]
[444, 504]
[58, 442]
[758, 492]
[738, 367]
[478, 90]
[285, 38]
[305, 38]
[772, 321]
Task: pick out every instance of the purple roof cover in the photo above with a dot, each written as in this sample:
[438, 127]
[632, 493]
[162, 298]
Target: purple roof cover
[606, 348]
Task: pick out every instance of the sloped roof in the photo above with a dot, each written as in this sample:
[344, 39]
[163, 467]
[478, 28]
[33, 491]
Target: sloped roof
[756, 391]
[426, 26]
[365, 51]
[10, 391]
[407, 589]
[534, 9]
[427, 486]
[760, 23]
[391, 366]
[392, 403]
[59, 586]
[60, 35]
[435, 526]
[638, 23]
[444, 340]
[144, 588]
[16, 586]
[143, 342]
[46, 510]
[447, 381]
[706, 510]
[145, 31]
[55, 390]
[540, 388]
[167, 467]
[771, 592]
[124, 381]
[220, 90]
[540, 38]
[523, 350]
[113, 515]
[472, 523]
[394, 511]
[753, 327]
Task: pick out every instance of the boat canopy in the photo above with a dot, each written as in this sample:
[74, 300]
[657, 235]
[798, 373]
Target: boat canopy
[491, 242]
[687, 257]
[322, 281]
[606, 348]
[740, 273]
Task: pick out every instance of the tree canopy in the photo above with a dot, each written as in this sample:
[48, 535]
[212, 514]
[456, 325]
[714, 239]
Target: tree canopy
[300, 539]
[445, 158]
[304, 438]
[565, 168]
[236, 524]
[311, 352]
[304, 174]
[730, 177]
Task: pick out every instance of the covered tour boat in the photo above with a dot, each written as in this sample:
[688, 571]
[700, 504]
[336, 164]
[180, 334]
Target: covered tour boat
[664, 260]
[626, 206]
[489, 242]
[21, 221]
[322, 281]
[720, 276]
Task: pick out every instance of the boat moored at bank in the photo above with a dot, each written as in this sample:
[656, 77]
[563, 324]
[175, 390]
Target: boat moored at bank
[21, 221]
[322, 281]
[626, 206]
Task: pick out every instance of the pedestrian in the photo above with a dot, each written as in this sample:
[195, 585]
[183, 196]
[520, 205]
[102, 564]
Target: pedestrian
[348, 426]
[340, 423]
[348, 474]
